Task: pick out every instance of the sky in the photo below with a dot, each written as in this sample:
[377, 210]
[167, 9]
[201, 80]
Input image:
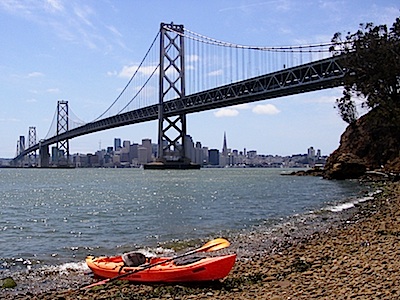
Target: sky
[78, 50]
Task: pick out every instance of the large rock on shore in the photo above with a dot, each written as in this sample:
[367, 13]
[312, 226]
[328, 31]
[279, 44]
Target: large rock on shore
[371, 143]
[346, 165]
[7, 283]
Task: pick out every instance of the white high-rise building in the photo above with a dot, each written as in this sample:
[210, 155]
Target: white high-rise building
[311, 153]
[189, 148]
[146, 143]
[224, 154]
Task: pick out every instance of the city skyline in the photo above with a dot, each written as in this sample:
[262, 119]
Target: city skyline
[221, 149]
[125, 153]
[112, 144]
[84, 53]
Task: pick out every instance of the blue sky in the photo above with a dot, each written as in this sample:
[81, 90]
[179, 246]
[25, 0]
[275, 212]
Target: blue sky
[76, 50]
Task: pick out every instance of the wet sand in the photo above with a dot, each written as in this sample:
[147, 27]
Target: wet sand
[350, 255]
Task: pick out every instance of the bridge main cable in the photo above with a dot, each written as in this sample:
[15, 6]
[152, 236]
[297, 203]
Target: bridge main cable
[296, 48]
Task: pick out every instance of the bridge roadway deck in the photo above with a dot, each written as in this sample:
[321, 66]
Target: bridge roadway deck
[322, 74]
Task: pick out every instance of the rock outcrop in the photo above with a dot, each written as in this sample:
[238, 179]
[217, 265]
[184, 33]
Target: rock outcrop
[371, 143]
[7, 283]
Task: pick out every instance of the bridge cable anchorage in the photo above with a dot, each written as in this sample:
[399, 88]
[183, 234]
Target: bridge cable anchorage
[130, 80]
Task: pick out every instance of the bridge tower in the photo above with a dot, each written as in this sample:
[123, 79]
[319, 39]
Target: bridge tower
[17, 163]
[21, 144]
[21, 149]
[32, 142]
[171, 129]
[62, 147]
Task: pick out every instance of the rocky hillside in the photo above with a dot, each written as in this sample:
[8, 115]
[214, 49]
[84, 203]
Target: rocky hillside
[371, 143]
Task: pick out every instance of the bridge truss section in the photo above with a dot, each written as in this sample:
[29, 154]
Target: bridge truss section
[322, 74]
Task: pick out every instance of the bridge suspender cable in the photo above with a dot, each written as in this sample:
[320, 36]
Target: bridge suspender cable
[130, 80]
[141, 88]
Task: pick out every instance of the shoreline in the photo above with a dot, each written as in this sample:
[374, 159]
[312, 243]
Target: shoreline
[339, 259]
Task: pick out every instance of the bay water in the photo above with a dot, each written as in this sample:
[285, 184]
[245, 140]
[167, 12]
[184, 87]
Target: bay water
[51, 217]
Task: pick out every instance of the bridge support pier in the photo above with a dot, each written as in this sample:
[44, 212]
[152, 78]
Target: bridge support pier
[171, 130]
[44, 156]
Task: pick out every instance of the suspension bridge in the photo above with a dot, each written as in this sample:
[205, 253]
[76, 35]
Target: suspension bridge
[184, 72]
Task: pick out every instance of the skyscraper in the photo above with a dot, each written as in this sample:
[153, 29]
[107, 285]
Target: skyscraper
[213, 156]
[224, 147]
[117, 144]
[224, 155]
[21, 143]
[146, 143]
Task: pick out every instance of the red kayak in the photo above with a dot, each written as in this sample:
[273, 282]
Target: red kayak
[189, 270]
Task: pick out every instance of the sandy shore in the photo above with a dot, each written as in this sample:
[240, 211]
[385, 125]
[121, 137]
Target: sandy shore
[358, 258]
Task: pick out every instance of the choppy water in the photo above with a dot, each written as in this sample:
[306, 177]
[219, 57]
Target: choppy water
[54, 217]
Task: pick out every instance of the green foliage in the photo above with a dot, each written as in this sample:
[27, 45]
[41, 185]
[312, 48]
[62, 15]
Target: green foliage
[347, 108]
[372, 54]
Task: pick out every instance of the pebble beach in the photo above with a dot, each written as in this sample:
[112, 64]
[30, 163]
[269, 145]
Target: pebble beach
[352, 256]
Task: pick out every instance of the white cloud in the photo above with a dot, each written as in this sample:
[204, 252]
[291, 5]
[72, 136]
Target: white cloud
[112, 73]
[265, 109]
[83, 13]
[192, 58]
[226, 112]
[32, 100]
[53, 90]
[283, 5]
[232, 111]
[286, 30]
[72, 21]
[54, 5]
[35, 74]
[8, 120]
[128, 71]
[15, 6]
[242, 106]
[114, 30]
[215, 73]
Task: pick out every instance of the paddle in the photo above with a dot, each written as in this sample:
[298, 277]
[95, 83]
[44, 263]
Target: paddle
[213, 245]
